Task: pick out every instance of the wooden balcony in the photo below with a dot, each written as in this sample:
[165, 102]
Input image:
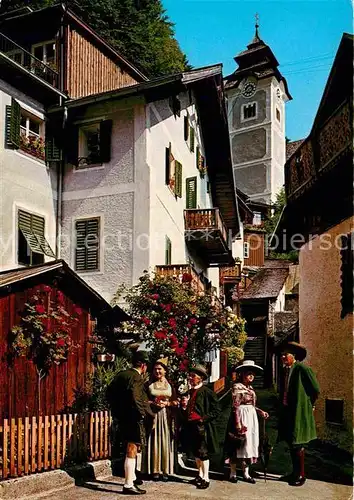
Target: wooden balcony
[206, 233]
[180, 272]
[230, 274]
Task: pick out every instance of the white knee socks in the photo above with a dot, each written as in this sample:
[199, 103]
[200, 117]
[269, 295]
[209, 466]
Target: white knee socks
[205, 470]
[138, 462]
[199, 467]
[129, 472]
[246, 473]
[233, 472]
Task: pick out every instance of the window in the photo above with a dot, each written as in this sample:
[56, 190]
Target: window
[334, 411]
[277, 114]
[87, 247]
[191, 192]
[32, 245]
[16, 55]
[257, 219]
[347, 281]
[25, 131]
[173, 173]
[249, 111]
[94, 147]
[246, 250]
[46, 52]
[168, 252]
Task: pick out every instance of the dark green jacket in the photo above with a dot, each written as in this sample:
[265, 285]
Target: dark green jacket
[207, 406]
[127, 397]
[297, 422]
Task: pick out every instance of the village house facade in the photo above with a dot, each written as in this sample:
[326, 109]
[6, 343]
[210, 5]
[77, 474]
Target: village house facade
[318, 219]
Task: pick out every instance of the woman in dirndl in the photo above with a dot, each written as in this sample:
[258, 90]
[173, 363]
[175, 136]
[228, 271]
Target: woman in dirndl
[245, 421]
[158, 459]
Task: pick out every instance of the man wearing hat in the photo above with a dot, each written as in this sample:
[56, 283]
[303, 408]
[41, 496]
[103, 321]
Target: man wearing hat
[129, 405]
[202, 411]
[297, 423]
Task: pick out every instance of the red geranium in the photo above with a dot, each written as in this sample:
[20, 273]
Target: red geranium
[47, 288]
[155, 296]
[60, 342]
[40, 309]
[184, 365]
[180, 351]
[168, 308]
[160, 335]
[172, 323]
[146, 321]
[187, 278]
[193, 321]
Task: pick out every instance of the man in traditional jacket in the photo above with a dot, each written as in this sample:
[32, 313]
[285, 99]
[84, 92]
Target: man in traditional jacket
[129, 405]
[296, 423]
[202, 411]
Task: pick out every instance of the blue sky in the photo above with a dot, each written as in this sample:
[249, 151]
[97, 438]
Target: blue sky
[304, 36]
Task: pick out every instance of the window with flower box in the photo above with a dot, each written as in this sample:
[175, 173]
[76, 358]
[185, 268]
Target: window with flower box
[46, 52]
[173, 173]
[31, 135]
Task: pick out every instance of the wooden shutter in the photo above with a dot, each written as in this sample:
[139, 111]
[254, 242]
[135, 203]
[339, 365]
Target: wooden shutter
[105, 140]
[168, 164]
[12, 125]
[87, 245]
[347, 282]
[191, 139]
[191, 192]
[186, 128]
[178, 179]
[198, 158]
[168, 252]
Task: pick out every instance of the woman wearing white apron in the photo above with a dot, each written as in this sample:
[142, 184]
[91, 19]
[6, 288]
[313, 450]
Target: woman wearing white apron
[244, 416]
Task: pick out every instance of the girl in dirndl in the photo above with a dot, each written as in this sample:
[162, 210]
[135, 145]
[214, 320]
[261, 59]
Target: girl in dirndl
[244, 417]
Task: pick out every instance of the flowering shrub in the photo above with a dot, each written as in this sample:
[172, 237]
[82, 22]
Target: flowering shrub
[43, 334]
[177, 322]
[33, 145]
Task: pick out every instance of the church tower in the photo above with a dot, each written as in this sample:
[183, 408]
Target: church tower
[256, 96]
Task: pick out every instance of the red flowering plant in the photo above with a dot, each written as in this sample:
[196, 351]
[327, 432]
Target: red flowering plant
[43, 333]
[175, 321]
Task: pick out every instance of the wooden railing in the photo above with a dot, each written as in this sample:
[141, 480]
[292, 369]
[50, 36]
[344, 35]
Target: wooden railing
[204, 219]
[36, 444]
[230, 273]
[28, 61]
[182, 271]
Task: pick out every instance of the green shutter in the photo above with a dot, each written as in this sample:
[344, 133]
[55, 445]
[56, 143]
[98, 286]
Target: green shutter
[87, 245]
[191, 192]
[178, 179]
[105, 140]
[191, 139]
[168, 252]
[168, 164]
[52, 150]
[12, 125]
[186, 128]
[198, 158]
[33, 230]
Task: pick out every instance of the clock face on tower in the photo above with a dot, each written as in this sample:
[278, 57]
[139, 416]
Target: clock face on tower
[249, 87]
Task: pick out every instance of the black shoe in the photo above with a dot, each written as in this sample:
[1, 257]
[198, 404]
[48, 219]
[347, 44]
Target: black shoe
[138, 482]
[165, 478]
[197, 480]
[287, 478]
[250, 480]
[156, 477]
[134, 490]
[298, 481]
[233, 479]
[203, 485]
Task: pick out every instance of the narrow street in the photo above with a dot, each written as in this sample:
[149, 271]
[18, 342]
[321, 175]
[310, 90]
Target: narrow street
[110, 488]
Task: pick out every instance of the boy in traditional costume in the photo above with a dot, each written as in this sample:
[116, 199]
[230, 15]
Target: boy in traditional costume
[202, 411]
[297, 423]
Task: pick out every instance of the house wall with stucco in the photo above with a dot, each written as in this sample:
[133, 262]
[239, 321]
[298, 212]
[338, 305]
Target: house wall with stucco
[327, 336]
[26, 183]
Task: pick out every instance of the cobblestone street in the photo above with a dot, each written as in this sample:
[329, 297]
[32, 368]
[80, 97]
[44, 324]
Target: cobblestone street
[108, 489]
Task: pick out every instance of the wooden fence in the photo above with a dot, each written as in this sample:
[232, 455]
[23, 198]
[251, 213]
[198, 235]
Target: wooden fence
[37, 444]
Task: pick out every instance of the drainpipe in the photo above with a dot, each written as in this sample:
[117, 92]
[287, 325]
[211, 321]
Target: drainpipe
[60, 177]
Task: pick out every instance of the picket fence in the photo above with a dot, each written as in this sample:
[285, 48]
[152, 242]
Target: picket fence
[37, 444]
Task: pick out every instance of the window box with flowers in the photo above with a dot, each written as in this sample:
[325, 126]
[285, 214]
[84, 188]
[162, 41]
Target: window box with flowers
[31, 140]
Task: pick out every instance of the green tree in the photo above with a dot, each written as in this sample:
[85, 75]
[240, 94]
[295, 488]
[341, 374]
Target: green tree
[139, 29]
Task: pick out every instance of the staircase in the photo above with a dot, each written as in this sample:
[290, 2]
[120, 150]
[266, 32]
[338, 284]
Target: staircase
[254, 350]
